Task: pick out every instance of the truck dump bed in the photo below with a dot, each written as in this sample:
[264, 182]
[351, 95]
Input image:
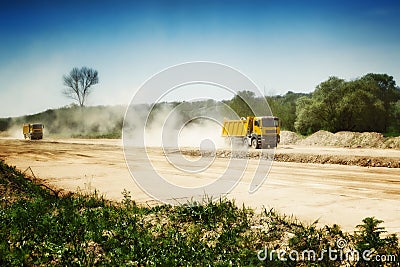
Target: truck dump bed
[233, 128]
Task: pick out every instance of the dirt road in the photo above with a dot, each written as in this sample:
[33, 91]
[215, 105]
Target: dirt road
[332, 193]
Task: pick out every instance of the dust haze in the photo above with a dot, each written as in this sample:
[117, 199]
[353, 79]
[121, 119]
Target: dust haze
[195, 124]
[186, 124]
[168, 126]
[70, 121]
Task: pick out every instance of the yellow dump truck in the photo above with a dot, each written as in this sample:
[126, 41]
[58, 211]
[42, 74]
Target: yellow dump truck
[257, 132]
[33, 131]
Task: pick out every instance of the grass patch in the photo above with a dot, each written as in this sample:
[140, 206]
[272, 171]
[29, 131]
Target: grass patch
[391, 134]
[38, 227]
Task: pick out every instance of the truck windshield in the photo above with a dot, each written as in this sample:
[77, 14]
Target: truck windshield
[270, 122]
[37, 126]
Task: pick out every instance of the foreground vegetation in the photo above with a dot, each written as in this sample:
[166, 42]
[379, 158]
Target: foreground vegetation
[40, 227]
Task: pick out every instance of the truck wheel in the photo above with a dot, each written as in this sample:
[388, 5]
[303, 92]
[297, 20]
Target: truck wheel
[254, 143]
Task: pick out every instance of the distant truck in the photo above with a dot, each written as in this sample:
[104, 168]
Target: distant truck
[257, 132]
[33, 131]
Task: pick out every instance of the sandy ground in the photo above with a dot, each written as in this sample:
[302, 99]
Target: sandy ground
[332, 193]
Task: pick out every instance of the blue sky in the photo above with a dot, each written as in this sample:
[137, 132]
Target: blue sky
[281, 45]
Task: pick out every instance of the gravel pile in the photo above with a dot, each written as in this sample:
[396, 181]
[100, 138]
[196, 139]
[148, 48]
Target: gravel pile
[290, 138]
[341, 139]
[393, 142]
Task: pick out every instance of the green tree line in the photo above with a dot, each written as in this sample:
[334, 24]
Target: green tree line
[367, 104]
[370, 103]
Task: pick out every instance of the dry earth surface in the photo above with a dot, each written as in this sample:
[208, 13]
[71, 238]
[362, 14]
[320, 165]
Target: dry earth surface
[344, 192]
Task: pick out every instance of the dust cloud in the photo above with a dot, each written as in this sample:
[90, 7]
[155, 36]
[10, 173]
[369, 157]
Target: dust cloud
[185, 124]
[14, 132]
[71, 121]
[169, 126]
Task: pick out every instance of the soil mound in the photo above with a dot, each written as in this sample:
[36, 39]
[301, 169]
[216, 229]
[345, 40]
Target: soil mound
[393, 142]
[290, 138]
[320, 138]
[341, 139]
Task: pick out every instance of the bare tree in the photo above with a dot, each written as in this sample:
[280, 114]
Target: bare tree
[79, 83]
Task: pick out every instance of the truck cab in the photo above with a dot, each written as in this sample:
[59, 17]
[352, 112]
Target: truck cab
[263, 131]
